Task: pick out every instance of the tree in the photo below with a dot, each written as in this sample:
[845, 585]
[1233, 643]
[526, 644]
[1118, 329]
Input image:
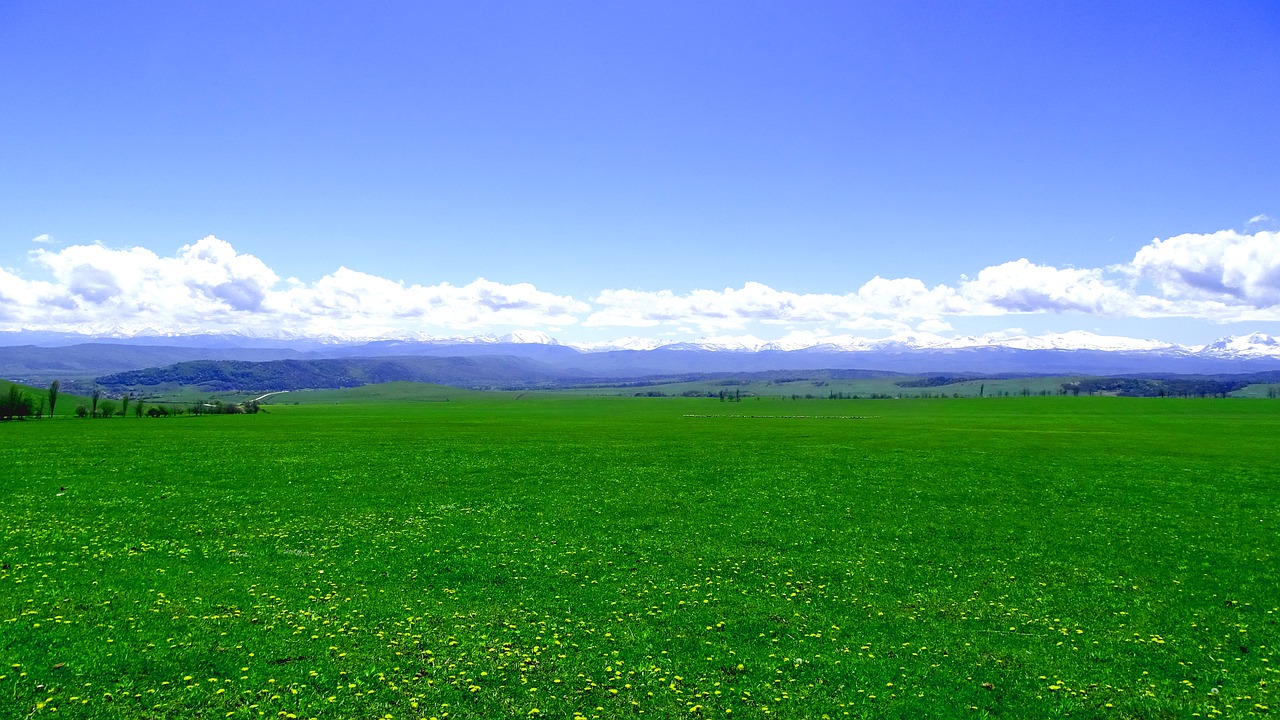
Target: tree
[138, 408]
[94, 397]
[15, 404]
[124, 404]
[108, 407]
[54, 387]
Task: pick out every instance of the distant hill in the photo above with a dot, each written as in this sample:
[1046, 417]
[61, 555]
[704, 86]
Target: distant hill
[235, 375]
[39, 365]
[40, 395]
[497, 362]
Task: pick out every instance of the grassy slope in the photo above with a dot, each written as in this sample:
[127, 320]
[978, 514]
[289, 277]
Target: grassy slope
[393, 392]
[66, 403]
[501, 553]
[1257, 390]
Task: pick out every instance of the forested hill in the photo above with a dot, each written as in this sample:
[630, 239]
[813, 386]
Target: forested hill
[230, 375]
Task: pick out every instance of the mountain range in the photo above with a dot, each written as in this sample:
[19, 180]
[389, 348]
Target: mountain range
[1234, 346]
[539, 358]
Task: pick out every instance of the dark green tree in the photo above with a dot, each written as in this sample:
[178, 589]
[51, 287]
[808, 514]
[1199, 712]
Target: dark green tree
[16, 404]
[54, 387]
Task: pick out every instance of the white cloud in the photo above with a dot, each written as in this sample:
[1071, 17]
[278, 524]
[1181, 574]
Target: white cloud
[1221, 277]
[934, 325]
[1259, 219]
[208, 286]
[43, 238]
[908, 298]
[879, 304]
[354, 299]
[1024, 287]
[1224, 268]
[710, 310]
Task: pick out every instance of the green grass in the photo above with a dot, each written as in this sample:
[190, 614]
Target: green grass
[66, 403]
[504, 553]
[1258, 390]
[822, 388]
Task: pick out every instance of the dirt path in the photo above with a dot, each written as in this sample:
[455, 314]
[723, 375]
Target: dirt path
[260, 398]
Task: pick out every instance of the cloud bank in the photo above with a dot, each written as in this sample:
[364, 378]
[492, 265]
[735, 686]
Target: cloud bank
[208, 286]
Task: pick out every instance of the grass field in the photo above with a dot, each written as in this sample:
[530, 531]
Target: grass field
[66, 404]
[365, 555]
[822, 388]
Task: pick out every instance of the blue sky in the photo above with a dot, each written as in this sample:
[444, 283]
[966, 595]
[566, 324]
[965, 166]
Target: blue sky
[641, 168]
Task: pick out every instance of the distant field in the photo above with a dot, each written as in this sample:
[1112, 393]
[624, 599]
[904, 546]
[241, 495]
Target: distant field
[1259, 390]
[810, 388]
[418, 551]
[66, 403]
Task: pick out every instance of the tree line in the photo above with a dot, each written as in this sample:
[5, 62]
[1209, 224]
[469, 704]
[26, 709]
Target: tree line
[19, 404]
[1148, 387]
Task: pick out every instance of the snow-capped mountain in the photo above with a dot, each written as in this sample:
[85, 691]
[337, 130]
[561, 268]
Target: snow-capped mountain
[915, 341]
[528, 337]
[1079, 340]
[626, 343]
[1253, 345]
[1068, 353]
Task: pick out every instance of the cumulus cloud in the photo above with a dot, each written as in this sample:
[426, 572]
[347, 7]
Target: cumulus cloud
[349, 297]
[708, 310]
[208, 286]
[880, 303]
[1221, 277]
[1024, 287]
[205, 283]
[1226, 267]
[933, 325]
[908, 298]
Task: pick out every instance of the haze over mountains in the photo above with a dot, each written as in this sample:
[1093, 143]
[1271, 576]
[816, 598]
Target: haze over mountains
[1251, 345]
[535, 357]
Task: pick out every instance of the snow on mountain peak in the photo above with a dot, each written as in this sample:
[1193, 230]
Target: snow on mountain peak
[1251, 345]
[626, 343]
[1257, 345]
[528, 337]
[1085, 340]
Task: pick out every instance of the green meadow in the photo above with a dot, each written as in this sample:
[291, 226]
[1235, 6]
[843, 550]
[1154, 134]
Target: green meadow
[426, 552]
